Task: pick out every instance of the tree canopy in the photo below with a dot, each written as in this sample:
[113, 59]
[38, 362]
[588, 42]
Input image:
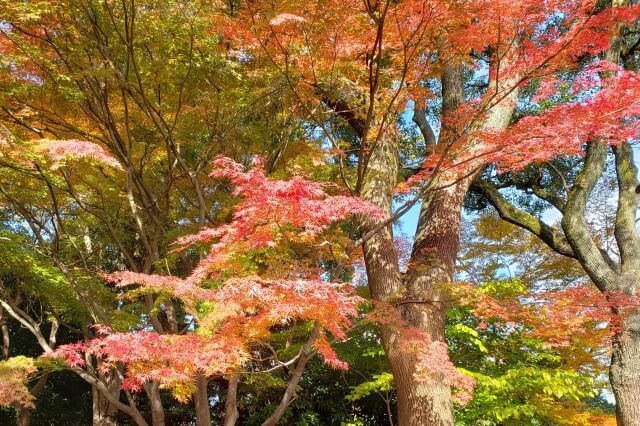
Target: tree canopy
[199, 197]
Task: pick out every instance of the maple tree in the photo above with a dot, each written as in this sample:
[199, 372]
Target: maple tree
[366, 65]
[597, 203]
[241, 313]
[111, 127]
[121, 153]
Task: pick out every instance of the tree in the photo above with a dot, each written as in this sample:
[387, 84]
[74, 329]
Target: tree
[134, 117]
[239, 316]
[364, 62]
[153, 116]
[607, 251]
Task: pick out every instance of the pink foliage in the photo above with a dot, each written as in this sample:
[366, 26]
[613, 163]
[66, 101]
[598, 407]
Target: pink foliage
[260, 304]
[249, 308]
[609, 114]
[554, 317]
[72, 353]
[267, 207]
[168, 359]
[574, 311]
[284, 18]
[330, 357]
[61, 150]
[243, 310]
[160, 283]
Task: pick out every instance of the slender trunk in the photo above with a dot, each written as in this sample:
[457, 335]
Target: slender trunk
[155, 402]
[24, 413]
[98, 386]
[624, 372]
[201, 401]
[4, 329]
[231, 406]
[24, 416]
[305, 355]
[387, 403]
[104, 411]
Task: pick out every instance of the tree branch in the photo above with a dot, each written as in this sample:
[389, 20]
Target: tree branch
[305, 355]
[625, 228]
[575, 227]
[551, 235]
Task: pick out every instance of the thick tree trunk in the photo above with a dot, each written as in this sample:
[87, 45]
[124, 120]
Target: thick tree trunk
[201, 401]
[419, 296]
[624, 372]
[420, 403]
[103, 411]
[425, 305]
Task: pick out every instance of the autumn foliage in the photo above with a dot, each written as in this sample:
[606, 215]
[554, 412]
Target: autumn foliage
[206, 178]
[234, 313]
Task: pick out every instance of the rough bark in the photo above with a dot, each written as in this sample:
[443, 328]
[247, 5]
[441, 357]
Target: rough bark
[201, 401]
[419, 403]
[385, 284]
[152, 390]
[433, 258]
[425, 304]
[231, 404]
[624, 373]
[419, 296]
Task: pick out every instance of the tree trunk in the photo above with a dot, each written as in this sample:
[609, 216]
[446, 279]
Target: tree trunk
[425, 305]
[6, 337]
[231, 404]
[201, 401]
[433, 259]
[155, 402]
[24, 413]
[419, 403]
[624, 372]
[306, 353]
[103, 411]
[24, 416]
